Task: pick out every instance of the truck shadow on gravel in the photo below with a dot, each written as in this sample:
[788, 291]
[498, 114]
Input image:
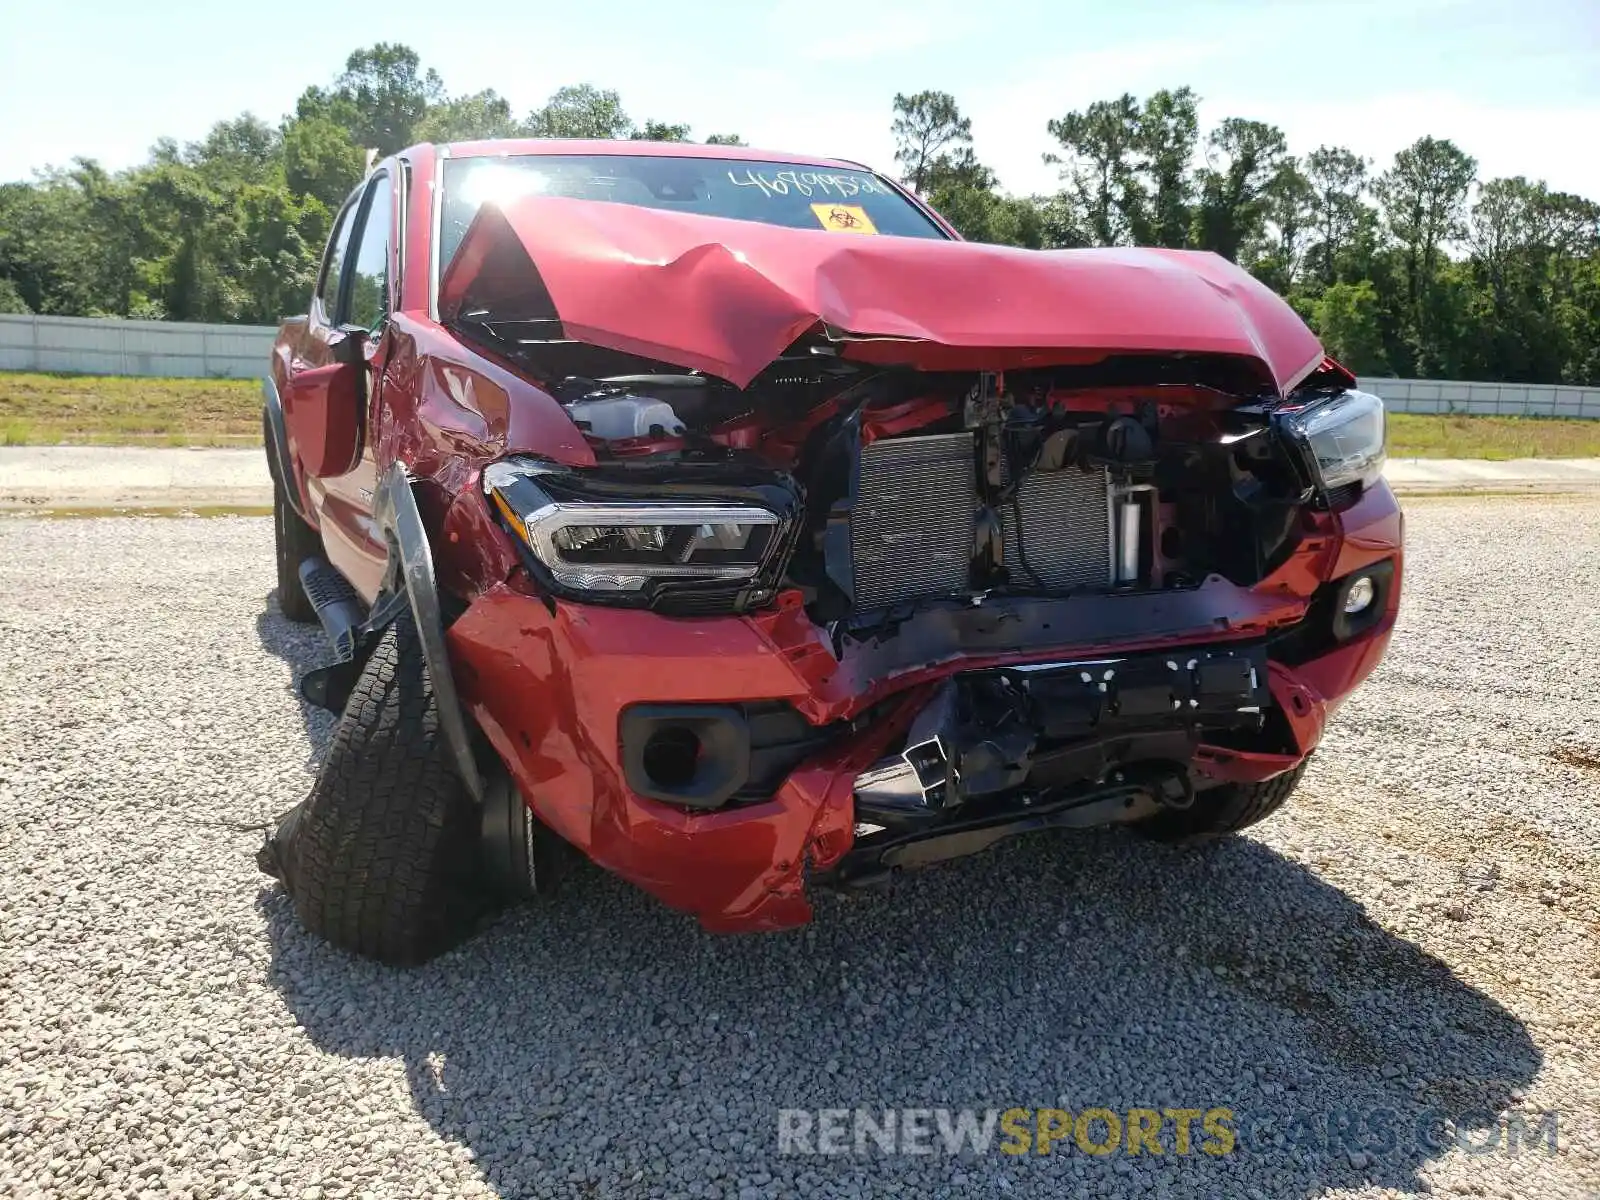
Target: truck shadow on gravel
[598, 1044]
[301, 647]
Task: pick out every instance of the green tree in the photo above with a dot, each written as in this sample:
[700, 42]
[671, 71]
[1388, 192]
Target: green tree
[1338, 178]
[927, 127]
[961, 189]
[1098, 167]
[11, 300]
[320, 160]
[1424, 197]
[725, 139]
[243, 150]
[1348, 318]
[44, 254]
[383, 95]
[1166, 133]
[580, 111]
[1409, 272]
[1288, 206]
[1243, 159]
[484, 114]
[660, 131]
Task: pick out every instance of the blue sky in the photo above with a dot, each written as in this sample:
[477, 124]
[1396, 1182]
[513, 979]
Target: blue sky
[1517, 85]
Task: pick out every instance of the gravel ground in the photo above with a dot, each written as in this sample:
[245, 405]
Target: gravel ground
[1416, 934]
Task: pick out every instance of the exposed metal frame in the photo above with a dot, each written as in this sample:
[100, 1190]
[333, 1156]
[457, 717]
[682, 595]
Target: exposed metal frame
[410, 568]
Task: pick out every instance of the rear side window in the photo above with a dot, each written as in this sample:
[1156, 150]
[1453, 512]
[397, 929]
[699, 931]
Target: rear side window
[333, 268]
[369, 275]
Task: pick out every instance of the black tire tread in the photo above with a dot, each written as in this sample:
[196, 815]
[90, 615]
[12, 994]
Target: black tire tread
[1224, 810]
[382, 858]
[294, 542]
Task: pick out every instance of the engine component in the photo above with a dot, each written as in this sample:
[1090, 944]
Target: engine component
[1058, 530]
[613, 418]
[1130, 526]
[913, 524]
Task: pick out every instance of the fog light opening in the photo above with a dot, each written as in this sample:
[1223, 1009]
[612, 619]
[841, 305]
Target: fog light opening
[671, 756]
[1358, 597]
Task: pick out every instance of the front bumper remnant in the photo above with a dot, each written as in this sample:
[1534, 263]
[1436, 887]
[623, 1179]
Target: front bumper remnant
[953, 727]
[1031, 725]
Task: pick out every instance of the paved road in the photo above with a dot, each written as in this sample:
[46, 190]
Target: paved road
[1534, 475]
[76, 477]
[1415, 935]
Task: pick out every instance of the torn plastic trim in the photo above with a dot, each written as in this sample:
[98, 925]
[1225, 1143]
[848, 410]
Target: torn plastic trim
[410, 569]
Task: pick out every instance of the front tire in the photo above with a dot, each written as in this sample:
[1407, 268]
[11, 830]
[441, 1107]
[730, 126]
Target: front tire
[381, 858]
[1222, 810]
[294, 542]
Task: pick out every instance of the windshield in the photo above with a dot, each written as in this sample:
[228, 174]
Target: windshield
[775, 193]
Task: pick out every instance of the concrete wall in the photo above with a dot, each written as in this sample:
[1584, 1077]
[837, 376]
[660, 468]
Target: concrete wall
[113, 347]
[1485, 399]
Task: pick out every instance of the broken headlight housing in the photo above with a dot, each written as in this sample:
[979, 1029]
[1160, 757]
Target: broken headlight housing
[686, 539]
[1342, 437]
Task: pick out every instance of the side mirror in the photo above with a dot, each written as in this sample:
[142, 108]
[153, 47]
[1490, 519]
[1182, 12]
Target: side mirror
[349, 346]
[323, 408]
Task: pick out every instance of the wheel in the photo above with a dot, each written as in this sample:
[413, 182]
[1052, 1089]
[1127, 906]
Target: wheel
[296, 541]
[1223, 810]
[381, 858]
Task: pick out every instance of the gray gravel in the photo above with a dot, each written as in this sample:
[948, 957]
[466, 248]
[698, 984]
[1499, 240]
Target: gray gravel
[1416, 933]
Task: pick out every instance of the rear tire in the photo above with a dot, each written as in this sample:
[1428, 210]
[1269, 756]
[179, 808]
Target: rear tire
[295, 542]
[1222, 810]
[381, 859]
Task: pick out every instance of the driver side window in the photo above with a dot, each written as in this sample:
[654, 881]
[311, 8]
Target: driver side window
[367, 298]
[333, 268]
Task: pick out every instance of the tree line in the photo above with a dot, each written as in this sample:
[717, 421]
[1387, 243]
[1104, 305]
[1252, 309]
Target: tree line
[1419, 269]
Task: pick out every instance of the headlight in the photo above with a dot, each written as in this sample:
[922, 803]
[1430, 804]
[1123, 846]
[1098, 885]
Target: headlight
[635, 550]
[1344, 436]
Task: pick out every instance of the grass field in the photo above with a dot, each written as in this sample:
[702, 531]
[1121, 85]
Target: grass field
[107, 410]
[1413, 435]
[103, 410]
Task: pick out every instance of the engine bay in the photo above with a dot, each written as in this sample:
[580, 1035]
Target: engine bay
[1136, 473]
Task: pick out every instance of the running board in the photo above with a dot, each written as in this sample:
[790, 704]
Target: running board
[337, 606]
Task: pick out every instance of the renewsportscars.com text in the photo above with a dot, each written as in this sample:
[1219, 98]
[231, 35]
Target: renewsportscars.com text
[1215, 1131]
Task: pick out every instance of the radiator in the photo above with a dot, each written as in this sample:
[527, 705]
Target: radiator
[912, 524]
[1058, 533]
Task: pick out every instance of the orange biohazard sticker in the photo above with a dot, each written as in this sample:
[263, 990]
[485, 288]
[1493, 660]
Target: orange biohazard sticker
[844, 218]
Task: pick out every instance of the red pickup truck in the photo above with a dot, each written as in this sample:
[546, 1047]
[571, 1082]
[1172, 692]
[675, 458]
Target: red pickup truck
[725, 516]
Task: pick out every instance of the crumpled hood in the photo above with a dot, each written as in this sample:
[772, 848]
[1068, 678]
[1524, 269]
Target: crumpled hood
[728, 297]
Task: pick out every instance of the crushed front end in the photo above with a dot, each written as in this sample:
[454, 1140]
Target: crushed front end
[855, 618]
